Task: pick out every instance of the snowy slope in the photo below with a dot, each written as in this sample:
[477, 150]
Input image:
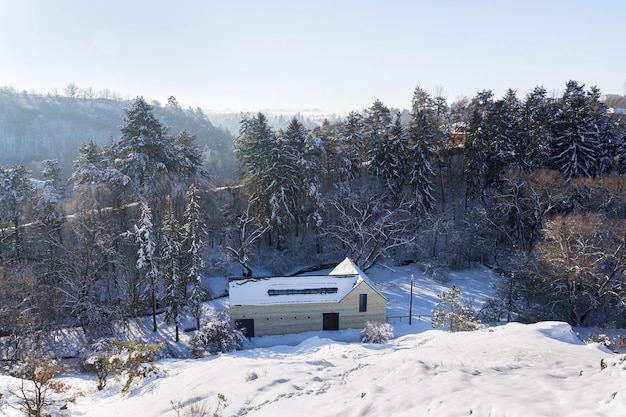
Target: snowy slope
[514, 370]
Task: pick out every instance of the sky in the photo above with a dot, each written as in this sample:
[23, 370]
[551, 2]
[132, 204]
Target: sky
[324, 55]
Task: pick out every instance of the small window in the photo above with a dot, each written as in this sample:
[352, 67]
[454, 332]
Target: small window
[362, 303]
[246, 326]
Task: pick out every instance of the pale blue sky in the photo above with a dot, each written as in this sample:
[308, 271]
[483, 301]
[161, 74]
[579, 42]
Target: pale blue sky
[333, 56]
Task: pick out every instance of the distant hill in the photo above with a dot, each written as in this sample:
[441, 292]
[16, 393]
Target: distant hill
[277, 119]
[37, 127]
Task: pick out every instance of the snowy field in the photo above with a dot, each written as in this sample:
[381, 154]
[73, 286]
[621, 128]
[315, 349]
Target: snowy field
[510, 370]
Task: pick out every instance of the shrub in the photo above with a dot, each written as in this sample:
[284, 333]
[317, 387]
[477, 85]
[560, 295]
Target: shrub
[97, 361]
[36, 373]
[377, 333]
[132, 361]
[217, 336]
[458, 317]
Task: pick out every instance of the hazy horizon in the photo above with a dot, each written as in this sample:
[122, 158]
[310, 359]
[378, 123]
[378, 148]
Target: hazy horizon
[332, 57]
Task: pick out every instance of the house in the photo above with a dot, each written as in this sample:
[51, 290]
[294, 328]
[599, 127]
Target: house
[343, 299]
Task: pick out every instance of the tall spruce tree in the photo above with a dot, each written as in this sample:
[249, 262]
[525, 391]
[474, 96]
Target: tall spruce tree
[16, 191]
[537, 117]
[477, 146]
[146, 257]
[388, 161]
[575, 141]
[173, 280]
[192, 246]
[144, 147]
[507, 135]
[351, 148]
[376, 125]
[289, 169]
[422, 132]
[607, 150]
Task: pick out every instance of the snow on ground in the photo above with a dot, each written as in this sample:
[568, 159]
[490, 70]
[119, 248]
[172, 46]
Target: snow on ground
[541, 369]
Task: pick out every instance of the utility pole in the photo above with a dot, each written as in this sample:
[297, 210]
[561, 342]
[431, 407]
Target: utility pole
[411, 303]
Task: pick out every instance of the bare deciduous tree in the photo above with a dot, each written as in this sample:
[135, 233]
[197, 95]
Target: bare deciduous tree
[248, 230]
[584, 259]
[368, 230]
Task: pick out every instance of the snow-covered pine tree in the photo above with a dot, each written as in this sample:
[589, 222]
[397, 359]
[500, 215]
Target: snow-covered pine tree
[421, 134]
[607, 142]
[507, 134]
[88, 166]
[313, 174]
[352, 148]
[575, 140]
[146, 262]
[537, 116]
[49, 195]
[15, 192]
[252, 149]
[455, 315]
[173, 280]
[388, 161]
[259, 154]
[477, 144]
[144, 148]
[289, 169]
[376, 125]
[192, 247]
[185, 156]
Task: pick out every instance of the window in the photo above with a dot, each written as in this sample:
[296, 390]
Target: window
[362, 303]
[294, 291]
[246, 326]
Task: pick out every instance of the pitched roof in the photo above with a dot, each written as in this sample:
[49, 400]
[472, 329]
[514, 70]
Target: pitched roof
[348, 267]
[307, 289]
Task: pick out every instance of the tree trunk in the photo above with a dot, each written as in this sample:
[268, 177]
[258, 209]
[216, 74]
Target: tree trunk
[154, 320]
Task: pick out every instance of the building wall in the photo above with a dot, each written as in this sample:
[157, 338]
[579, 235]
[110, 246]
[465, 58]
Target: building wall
[296, 318]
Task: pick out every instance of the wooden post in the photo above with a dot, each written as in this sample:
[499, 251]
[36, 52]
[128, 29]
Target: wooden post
[411, 303]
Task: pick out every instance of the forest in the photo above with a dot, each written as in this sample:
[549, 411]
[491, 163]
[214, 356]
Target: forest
[533, 187]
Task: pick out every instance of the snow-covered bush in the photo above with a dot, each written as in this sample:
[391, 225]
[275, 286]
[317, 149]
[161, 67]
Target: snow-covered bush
[458, 317]
[96, 360]
[133, 361]
[217, 336]
[376, 333]
[36, 373]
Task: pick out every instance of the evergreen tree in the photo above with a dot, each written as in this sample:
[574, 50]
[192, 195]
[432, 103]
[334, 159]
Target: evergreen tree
[186, 156]
[289, 165]
[388, 161]
[15, 192]
[89, 165]
[313, 174]
[575, 141]
[606, 132]
[146, 261]
[456, 315]
[254, 148]
[173, 279]
[507, 135]
[192, 247]
[537, 117]
[50, 194]
[421, 134]
[351, 148]
[477, 146]
[144, 147]
[376, 125]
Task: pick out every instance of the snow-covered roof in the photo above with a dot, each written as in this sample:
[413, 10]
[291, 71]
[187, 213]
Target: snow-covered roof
[307, 289]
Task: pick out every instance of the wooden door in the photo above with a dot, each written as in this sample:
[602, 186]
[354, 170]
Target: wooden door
[331, 321]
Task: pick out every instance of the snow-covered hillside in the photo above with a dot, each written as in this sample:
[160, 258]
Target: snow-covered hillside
[514, 370]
